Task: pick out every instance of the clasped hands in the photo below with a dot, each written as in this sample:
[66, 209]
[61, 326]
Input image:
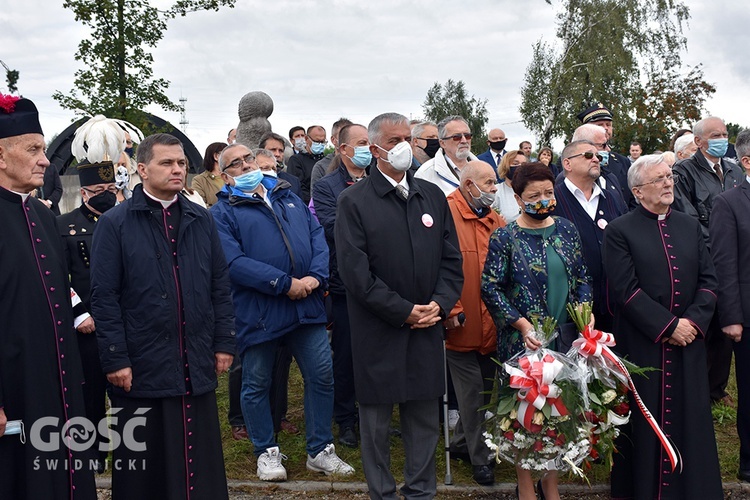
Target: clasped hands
[424, 316]
[302, 287]
[683, 335]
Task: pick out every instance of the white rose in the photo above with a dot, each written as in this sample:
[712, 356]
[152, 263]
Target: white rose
[608, 396]
[505, 424]
[538, 418]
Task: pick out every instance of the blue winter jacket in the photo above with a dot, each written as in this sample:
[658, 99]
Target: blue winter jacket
[265, 249]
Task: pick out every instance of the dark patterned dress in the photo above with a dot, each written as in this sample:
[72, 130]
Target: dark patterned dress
[508, 288]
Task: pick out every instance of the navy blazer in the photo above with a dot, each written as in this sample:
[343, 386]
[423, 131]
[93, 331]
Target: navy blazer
[729, 232]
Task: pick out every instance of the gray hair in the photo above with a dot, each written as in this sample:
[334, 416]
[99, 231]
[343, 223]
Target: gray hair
[742, 144]
[222, 157]
[417, 129]
[638, 168]
[445, 121]
[264, 152]
[373, 129]
[587, 132]
[683, 142]
[700, 127]
[145, 151]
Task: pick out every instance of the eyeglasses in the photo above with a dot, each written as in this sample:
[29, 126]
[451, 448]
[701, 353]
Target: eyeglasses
[661, 181]
[588, 155]
[457, 137]
[239, 162]
[111, 189]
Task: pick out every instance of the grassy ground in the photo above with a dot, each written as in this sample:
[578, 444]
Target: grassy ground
[240, 462]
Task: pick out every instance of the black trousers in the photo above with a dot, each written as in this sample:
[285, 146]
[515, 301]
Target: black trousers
[344, 400]
[742, 372]
[719, 357]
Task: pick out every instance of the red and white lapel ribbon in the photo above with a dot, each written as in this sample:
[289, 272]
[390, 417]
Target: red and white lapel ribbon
[534, 379]
[596, 343]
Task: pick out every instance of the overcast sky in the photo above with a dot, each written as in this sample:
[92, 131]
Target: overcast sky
[319, 60]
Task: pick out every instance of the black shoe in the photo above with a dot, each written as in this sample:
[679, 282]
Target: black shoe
[394, 432]
[744, 475]
[540, 490]
[348, 437]
[483, 474]
[460, 455]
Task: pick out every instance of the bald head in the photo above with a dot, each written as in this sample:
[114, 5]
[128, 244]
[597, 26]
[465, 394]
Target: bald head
[496, 140]
[477, 176]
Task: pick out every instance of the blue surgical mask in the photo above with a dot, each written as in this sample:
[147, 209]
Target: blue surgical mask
[317, 148]
[249, 181]
[362, 156]
[605, 158]
[717, 147]
[15, 427]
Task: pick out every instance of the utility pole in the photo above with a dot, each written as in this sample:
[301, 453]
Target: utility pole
[183, 116]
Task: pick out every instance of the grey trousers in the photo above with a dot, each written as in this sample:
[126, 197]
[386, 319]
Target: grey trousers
[419, 432]
[469, 370]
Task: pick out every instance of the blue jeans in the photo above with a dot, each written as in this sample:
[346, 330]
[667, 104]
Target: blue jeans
[309, 346]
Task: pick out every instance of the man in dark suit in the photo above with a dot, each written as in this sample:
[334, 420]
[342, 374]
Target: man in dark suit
[496, 141]
[399, 260]
[729, 230]
[590, 205]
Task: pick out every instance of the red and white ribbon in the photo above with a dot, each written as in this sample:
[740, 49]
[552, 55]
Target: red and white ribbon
[597, 344]
[534, 378]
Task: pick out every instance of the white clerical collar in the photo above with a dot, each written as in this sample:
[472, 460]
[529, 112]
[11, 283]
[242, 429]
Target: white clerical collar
[22, 195]
[164, 203]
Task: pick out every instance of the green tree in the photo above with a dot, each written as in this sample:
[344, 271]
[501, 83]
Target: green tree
[733, 129]
[453, 99]
[11, 78]
[117, 79]
[601, 46]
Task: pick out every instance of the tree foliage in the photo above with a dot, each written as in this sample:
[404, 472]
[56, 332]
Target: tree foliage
[11, 78]
[453, 99]
[733, 129]
[117, 79]
[601, 47]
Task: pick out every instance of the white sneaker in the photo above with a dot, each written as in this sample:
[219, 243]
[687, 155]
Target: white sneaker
[453, 417]
[270, 467]
[329, 463]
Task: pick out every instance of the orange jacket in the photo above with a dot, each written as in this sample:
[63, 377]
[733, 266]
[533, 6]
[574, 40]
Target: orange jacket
[479, 332]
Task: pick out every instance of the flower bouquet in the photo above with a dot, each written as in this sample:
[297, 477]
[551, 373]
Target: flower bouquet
[608, 381]
[540, 396]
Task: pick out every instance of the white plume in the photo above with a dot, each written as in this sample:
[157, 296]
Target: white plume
[102, 139]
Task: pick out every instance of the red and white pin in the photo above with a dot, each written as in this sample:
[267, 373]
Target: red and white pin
[427, 220]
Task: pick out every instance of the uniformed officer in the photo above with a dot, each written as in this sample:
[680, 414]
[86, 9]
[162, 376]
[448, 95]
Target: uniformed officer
[99, 194]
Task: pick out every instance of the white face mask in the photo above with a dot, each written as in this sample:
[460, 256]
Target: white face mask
[300, 143]
[399, 157]
[15, 427]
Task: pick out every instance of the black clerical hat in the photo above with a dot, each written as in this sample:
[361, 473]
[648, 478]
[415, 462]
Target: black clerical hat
[96, 173]
[18, 116]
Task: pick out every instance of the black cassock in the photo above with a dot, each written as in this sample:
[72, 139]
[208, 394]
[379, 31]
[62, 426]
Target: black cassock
[40, 369]
[659, 271]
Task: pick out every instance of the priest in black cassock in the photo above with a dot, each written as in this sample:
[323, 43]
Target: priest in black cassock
[165, 328]
[663, 286]
[40, 370]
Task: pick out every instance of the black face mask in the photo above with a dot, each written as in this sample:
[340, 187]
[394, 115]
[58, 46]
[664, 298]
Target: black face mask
[431, 148]
[102, 201]
[511, 171]
[498, 145]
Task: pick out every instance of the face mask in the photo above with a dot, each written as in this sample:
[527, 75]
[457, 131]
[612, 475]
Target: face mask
[300, 144]
[129, 152]
[270, 173]
[249, 181]
[541, 209]
[362, 156]
[484, 200]
[317, 148]
[102, 201]
[15, 427]
[431, 148]
[605, 158]
[399, 157]
[498, 145]
[511, 171]
[717, 147]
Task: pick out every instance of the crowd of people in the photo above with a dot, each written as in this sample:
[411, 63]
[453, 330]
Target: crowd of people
[395, 269]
